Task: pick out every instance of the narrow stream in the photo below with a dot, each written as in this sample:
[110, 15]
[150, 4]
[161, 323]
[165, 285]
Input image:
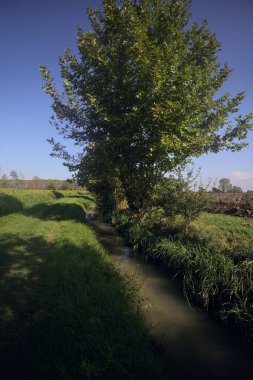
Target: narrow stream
[193, 345]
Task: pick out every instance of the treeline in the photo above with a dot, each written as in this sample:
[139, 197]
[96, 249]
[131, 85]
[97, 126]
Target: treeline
[18, 182]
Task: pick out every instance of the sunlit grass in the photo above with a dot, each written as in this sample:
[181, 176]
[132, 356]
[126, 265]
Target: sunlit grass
[225, 230]
[65, 311]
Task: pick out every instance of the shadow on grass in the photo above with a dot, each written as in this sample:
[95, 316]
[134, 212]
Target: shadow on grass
[9, 204]
[21, 264]
[57, 211]
[44, 211]
[57, 194]
[84, 196]
[66, 314]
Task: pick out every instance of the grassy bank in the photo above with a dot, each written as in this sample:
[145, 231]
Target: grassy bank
[65, 311]
[214, 258]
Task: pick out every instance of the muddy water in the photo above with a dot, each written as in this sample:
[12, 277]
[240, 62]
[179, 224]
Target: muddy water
[194, 346]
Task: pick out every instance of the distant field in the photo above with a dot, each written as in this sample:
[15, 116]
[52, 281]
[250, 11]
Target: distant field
[65, 311]
[239, 204]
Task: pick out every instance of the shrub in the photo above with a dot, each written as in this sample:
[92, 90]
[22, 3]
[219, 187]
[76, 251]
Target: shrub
[176, 197]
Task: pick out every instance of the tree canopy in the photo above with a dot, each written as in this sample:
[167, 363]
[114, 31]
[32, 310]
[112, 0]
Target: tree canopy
[141, 97]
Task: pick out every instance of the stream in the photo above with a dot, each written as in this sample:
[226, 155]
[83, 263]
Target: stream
[192, 344]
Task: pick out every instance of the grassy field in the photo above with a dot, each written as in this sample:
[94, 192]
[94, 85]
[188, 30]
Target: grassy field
[65, 311]
[226, 232]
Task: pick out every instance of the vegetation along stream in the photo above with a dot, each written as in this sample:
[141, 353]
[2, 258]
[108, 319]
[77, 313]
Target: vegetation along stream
[196, 346]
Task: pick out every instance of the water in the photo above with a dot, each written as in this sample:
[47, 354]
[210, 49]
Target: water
[192, 344]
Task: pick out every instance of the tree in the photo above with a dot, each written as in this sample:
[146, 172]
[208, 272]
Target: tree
[4, 181]
[14, 175]
[225, 185]
[176, 197]
[140, 100]
[235, 189]
[36, 182]
[15, 178]
[216, 190]
[51, 185]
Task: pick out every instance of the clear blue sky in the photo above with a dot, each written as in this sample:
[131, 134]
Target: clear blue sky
[35, 32]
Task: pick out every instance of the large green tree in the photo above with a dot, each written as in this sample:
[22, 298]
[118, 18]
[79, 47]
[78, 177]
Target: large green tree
[141, 97]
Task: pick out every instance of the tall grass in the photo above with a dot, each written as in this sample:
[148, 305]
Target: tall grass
[214, 259]
[212, 278]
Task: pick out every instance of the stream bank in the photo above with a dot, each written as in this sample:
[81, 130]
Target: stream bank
[192, 344]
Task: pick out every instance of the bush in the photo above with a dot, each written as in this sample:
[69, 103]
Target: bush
[175, 197]
[51, 185]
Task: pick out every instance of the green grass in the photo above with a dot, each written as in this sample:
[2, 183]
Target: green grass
[212, 279]
[213, 256]
[65, 311]
[225, 231]
[215, 260]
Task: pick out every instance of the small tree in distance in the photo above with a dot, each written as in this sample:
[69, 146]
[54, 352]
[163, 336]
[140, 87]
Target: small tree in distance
[15, 178]
[225, 185]
[140, 100]
[236, 189]
[4, 181]
[36, 182]
[14, 175]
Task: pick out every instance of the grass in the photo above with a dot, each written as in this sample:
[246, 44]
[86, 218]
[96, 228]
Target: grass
[225, 231]
[213, 256]
[65, 311]
[212, 279]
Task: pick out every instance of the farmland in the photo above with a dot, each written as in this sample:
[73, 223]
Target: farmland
[66, 313]
[239, 204]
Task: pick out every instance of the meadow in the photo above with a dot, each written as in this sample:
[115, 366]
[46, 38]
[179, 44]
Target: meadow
[229, 233]
[65, 311]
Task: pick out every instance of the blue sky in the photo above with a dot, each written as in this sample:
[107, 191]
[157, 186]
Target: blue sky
[35, 32]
